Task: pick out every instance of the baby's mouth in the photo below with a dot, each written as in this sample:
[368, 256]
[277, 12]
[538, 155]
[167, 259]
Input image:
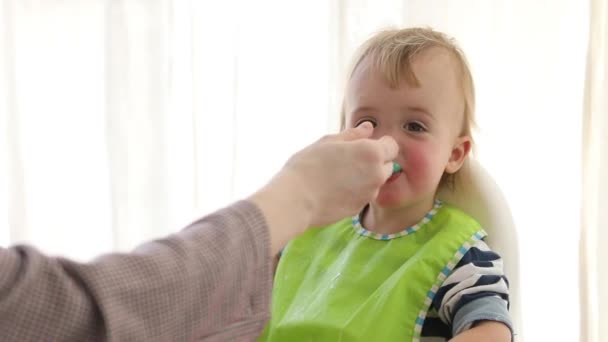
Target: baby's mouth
[394, 176]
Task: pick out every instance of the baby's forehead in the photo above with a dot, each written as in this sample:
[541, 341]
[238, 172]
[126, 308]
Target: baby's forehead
[429, 80]
[431, 64]
[434, 70]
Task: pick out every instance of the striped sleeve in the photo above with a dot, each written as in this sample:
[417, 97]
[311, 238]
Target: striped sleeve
[477, 284]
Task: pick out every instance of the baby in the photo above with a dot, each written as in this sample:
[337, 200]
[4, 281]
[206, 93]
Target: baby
[407, 267]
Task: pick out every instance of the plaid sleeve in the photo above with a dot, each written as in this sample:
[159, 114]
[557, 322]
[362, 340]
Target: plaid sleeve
[211, 279]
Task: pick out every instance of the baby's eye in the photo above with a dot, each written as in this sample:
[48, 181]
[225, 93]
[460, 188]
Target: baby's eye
[370, 120]
[414, 127]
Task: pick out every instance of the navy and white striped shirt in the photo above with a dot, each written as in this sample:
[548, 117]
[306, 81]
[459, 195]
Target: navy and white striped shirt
[476, 290]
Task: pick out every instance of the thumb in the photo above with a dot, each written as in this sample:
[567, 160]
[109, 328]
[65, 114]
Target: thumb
[364, 130]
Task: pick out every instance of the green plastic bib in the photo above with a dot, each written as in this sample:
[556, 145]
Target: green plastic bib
[343, 283]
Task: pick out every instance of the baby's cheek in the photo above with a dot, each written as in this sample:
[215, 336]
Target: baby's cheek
[416, 163]
[420, 166]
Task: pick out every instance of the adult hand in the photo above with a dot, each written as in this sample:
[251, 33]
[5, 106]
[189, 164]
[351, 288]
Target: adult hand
[326, 181]
[341, 173]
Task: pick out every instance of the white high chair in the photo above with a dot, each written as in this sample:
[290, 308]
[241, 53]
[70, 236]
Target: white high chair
[476, 193]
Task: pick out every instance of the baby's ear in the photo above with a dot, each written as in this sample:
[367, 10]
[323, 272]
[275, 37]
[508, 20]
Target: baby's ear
[460, 151]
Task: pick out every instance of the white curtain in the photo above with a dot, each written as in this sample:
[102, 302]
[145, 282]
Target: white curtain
[594, 237]
[123, 120]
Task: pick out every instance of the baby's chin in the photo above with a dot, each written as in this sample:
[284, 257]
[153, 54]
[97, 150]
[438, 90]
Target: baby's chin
[389, 201]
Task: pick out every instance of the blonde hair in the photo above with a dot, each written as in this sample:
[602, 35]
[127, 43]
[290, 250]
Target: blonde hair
[391, 52]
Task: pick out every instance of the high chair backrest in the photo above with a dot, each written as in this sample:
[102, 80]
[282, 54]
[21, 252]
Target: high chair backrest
[476, 193]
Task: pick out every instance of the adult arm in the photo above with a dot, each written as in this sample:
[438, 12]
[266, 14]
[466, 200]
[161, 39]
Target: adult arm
[211, 280]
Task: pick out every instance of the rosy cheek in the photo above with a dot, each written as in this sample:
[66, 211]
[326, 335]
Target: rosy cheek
[419, 161]
[415, 161]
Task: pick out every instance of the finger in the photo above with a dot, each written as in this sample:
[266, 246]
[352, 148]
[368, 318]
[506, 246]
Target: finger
[387, 170]
[364, 130]
[389, 148]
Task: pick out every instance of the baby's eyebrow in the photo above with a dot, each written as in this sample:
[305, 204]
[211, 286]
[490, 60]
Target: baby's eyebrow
[364, 109]
[419, 110]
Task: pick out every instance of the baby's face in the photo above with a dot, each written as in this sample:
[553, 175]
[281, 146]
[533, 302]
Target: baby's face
[426, 122]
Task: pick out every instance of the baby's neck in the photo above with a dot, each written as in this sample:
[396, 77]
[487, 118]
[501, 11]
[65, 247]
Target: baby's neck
[394, 220]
